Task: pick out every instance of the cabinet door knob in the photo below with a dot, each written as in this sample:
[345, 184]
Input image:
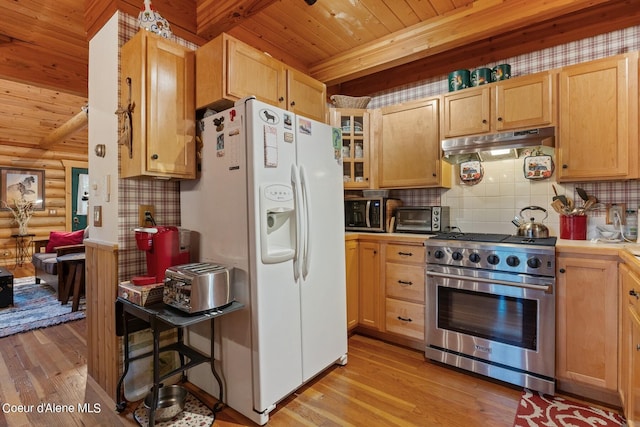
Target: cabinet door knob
[154, 157]
[293, 103]
[499, 119]
[484, 122]
[565, 166]
[633, 293]
[562, 270]
[280, 99]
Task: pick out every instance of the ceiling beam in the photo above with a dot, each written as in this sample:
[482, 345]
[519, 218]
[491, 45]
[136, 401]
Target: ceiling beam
[461, 28]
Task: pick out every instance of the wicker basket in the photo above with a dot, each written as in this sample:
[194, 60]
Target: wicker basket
[344, 101]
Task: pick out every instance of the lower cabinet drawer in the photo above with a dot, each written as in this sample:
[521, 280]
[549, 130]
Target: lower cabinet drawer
[405, 281]
[405, 318]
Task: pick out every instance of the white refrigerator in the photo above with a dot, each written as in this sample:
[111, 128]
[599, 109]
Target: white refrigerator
[269, 202]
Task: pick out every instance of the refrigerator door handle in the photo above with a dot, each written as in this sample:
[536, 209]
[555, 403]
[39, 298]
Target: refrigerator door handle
[297, 205]
[306, 237]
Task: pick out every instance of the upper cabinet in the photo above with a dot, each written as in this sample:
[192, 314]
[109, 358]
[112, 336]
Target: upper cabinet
[356, 155]
[519, 103]
[159, 76]
[409, 154]
[228, 69]
[598, 122]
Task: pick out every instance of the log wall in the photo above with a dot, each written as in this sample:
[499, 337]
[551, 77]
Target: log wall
[54, 213]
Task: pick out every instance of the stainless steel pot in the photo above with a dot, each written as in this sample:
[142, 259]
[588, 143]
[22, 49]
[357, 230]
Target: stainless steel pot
[533, 229]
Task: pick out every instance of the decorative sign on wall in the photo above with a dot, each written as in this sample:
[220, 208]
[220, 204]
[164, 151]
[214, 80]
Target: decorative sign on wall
[471, 173]
[538, 166]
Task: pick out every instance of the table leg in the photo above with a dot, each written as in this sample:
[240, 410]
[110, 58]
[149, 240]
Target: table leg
[77, 285]
[220, 403]
[66, 286]
[156, 373]
[121, 402]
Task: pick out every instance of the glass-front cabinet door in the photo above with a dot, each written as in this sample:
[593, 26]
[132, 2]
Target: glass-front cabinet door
[355, 145]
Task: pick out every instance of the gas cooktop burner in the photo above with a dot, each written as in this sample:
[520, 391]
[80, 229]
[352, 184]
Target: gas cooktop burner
[496, 238]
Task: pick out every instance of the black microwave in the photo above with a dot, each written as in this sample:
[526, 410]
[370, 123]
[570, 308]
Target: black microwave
[369, 213]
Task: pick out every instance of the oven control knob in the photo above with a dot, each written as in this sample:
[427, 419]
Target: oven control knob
[439, 254]
[513, 261]
[534, 262]
[474, 257]
[493, 259]
[457, 256]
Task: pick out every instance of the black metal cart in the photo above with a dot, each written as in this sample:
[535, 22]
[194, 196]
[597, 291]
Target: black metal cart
[160, 317]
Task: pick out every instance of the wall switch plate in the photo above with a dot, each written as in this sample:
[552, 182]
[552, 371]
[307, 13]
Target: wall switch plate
[97, 216]
[612, 210]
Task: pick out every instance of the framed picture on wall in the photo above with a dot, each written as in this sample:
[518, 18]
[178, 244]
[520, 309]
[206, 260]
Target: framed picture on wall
[22, 184]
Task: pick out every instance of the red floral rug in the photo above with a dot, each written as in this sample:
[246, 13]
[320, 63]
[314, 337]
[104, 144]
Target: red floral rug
[537, 409]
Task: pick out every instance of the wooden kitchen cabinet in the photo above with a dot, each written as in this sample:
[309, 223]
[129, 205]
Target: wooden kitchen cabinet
[518, 103]
[353, 279]
[405, 291]
[356, 153]
[161, 73]
[409, 154]
[587, 326]
[630, 344]
[228, 69]
[633, 410]
[370, 310]
[598, 112]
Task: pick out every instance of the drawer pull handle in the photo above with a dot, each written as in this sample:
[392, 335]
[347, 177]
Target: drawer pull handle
[633, 293]
[405, 283]
[404, 319]
[405, 253]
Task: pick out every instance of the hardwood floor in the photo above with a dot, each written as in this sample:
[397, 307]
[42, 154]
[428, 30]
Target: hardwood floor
[381, 385]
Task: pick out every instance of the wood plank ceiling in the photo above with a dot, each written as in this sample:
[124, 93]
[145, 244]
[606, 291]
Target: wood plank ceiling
[356, 46]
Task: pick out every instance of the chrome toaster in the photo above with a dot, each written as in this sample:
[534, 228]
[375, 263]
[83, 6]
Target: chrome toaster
[197, 287]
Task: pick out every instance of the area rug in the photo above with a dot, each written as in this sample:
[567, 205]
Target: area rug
[195, 414]
[35, 306]
[536, 409]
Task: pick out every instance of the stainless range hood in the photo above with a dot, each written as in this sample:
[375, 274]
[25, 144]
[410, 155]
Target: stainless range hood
[497, 146]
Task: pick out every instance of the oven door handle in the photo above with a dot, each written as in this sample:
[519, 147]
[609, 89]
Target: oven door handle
[547, 289]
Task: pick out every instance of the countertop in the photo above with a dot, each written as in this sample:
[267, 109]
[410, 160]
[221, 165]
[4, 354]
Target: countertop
[587, 247]
[388, 237]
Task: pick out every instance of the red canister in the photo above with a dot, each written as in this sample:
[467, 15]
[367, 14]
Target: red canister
[573, 227]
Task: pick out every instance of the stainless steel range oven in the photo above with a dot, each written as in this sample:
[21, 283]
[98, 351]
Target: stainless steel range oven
[491, 306]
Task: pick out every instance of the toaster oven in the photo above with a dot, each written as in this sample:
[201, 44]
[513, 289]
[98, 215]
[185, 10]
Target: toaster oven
[198, 287]
[422, 219]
